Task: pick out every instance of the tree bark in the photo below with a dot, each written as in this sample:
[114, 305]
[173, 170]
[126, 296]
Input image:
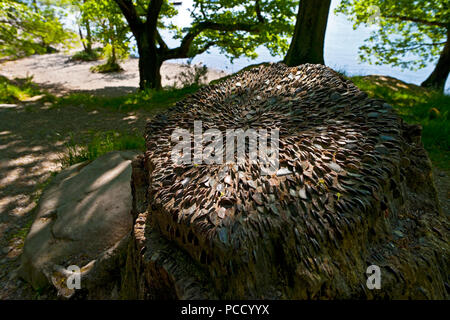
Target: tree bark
[88, 46]
[440, 73]
[82, 38]
[88, 37]
[309, 34]
[149, 63]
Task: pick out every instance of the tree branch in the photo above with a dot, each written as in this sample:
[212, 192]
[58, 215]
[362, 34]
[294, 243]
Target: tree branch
[417, 20]
[152, 14]
[162, 44]
[206, 47]
[129, 11]
[183, 49]
[258, 12]
[401, 49]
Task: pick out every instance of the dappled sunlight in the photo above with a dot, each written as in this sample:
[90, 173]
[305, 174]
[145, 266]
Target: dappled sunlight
[108, 176]
[12, 176]
[8, 145]
[395, 84]
[33, 141]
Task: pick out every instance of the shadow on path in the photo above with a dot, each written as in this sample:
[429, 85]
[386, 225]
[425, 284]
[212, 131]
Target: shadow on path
[32, 142]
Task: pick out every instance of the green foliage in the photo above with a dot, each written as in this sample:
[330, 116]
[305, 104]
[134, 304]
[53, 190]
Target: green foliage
[13, 91]
[30, 27]
[109, 27]
[414, 104]
[410, 34]
[107, 67]
[101, 143]
[191, 74]
[93, 55]
[272, 23]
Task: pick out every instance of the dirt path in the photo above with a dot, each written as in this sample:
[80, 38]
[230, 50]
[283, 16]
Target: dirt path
[32, 140]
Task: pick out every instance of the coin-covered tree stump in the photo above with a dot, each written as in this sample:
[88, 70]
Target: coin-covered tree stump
[353, 189]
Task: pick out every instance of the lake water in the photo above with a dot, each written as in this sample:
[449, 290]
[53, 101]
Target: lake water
[341, 50]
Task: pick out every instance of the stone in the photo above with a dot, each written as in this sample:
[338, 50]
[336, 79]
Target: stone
[83, 219]
[309, 234]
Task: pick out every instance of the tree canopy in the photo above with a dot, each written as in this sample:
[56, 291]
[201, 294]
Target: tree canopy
[409, 33]
[29, 27]
[237, 27]
[109, 27]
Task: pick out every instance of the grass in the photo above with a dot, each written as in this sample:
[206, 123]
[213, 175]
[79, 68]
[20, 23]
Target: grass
[101, 143]
[416, 105]
[108, 67]
[94, 55]
[148, 100]
[19, 89]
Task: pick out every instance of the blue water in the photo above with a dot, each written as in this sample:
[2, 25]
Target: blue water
[341, 50]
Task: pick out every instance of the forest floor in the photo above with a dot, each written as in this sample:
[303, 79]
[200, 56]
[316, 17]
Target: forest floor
[41, 133]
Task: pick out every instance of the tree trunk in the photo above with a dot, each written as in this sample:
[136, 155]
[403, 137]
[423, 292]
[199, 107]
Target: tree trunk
[309, 34]
[87, 25]
[88, 37]
[149, 63]
[440, 73]
[82, 38]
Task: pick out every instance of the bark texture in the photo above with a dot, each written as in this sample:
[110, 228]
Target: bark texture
[309, 34]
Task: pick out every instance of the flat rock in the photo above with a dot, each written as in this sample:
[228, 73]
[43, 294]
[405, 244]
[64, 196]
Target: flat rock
[83, 219]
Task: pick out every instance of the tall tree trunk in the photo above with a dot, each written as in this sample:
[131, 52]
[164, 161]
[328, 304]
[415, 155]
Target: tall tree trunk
[149, 63]
[440, 73]
[88, 37]
[82, 38]
[309, 34]
[88, 46]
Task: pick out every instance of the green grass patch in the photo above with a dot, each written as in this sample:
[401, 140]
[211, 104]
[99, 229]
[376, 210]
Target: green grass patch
[148, 100]
[100, 143]
[94, 55]
[108, 67]
[19, 89]
[416, 105]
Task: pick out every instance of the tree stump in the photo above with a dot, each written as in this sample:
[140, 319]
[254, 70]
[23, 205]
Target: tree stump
[354, 189]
